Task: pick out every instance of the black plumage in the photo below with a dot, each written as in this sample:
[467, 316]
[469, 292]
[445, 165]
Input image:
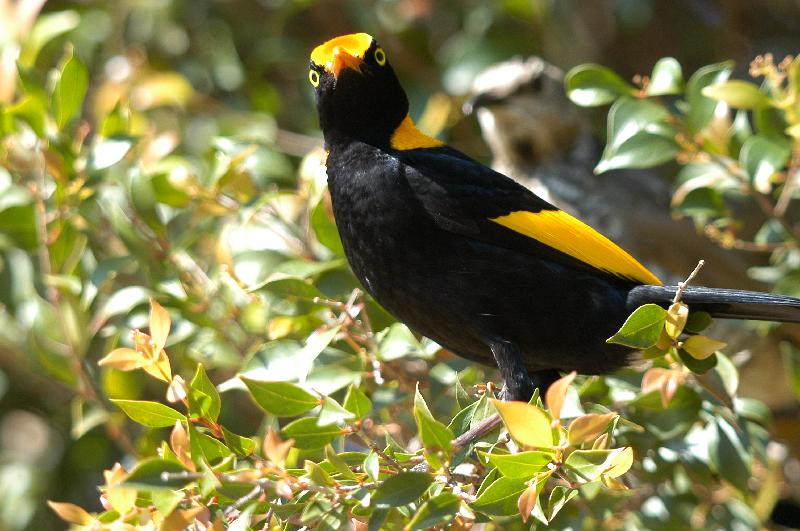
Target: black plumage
[465, 255]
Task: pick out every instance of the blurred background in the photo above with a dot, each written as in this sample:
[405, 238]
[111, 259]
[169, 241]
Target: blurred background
[200, 70]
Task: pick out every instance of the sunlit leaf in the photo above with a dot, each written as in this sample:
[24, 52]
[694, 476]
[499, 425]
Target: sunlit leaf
[621, 462]
[642, 328]
[557, 392]
[308, 435]
[70, 90]
[500, 497]
[737, 93]
[402, 488]
[527, 424]
[150, 414]
[587, 428]
[71, 513]
[282, 399]
[438, 510]
[591, 85]
[522, 465]
[124, 359]
[702, 347]
[667, 78]
[434, 434]
[677, 315]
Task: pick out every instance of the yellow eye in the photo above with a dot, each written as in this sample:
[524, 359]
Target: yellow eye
[380, 56]
[313, 77]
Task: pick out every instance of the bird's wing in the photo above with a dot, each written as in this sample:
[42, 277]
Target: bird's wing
[467, 198]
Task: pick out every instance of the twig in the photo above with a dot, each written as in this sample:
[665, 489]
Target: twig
[685, 284]
[792, 181]
[468, 437]
[374, 447]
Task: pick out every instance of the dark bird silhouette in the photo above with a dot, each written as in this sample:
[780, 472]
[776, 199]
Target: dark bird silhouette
[466, 255]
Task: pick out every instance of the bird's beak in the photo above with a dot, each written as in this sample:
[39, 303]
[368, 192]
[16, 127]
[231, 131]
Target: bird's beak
[341, 59]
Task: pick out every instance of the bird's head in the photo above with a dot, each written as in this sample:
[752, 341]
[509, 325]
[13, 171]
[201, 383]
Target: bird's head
[358, 93]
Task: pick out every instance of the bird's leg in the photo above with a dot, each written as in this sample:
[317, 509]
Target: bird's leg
[518, 384]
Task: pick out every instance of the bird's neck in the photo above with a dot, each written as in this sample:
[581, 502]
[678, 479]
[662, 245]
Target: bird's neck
[402, 138]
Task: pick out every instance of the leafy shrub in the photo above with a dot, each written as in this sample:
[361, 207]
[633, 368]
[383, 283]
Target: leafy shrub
[268, 391]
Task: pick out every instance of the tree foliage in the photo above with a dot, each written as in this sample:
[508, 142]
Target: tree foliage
[186, 292]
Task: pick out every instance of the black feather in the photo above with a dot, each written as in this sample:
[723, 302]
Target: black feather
[722, 303]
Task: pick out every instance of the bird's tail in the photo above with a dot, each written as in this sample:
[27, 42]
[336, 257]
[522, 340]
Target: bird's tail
[722, 303]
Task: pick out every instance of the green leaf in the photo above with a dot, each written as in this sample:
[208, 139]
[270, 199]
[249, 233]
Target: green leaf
[642, 150]
[702, 347]
[737, 93]
[701, 108]
[667, 78]
[32, 112]
[728, 453]
[357, 402]
[698, 321]
[371, 466]
[48, 26]
[697, 366]
[339, 464]
[642, 328]
[204, 398]
[325, 229]
[587, 465]
[559, 496]
[500, 498]
[333, 413]
[522, 465]
[156, 473]
[438, 510]
[526, 423]
[402, 489]
[282, 399]
[590, 85]
[434, 434]
[317, 474]
[762, 157]
[150, 414]
[308, 435]
[396, 342]
[108, 152]
[638, 135]
[206, 446]
[241, 446]
[70, 90]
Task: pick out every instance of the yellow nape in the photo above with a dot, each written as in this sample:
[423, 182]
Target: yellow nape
[355, 44]
[559, 230]
[407, 136]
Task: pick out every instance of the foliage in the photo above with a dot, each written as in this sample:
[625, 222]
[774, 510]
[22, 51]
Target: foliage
[268, 391]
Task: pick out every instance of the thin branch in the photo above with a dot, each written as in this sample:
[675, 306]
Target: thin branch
[685, 284]
[476, 433]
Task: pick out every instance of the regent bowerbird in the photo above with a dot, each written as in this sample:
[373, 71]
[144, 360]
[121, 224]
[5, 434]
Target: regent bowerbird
[470, 258]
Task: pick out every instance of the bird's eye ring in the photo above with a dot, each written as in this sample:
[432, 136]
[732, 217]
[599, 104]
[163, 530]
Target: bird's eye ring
[313, 77]
[380, 56]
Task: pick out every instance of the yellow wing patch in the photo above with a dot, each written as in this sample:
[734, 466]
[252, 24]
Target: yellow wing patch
[559, 230]
[407, 136]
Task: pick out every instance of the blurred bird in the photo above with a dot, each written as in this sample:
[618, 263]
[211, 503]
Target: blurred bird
[466, 255]
[542, 140]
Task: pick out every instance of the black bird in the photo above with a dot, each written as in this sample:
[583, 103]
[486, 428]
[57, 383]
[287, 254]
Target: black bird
[469, 257]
